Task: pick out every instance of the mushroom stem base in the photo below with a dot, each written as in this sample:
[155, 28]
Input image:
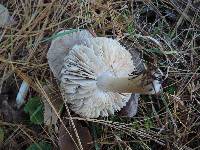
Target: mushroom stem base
[140, 84]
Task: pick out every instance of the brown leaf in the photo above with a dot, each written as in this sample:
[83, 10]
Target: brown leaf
[50, 117]
[65, 141]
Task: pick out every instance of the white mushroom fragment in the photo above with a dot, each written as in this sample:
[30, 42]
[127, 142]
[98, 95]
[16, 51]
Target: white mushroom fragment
[21, 95]
[95, 73]
[4, 15]
[5, 18]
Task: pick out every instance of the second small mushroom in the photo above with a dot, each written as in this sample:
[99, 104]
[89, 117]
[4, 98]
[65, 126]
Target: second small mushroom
[95, 73]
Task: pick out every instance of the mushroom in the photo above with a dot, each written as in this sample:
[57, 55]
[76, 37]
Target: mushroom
[5, 18]
[96, 73]
[4, 15]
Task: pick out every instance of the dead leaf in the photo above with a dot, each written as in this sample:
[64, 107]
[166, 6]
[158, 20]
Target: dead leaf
[50, 117]
[65, 141]
[8, 111]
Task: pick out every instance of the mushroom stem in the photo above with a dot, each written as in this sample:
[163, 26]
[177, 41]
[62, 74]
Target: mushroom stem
[140, 84]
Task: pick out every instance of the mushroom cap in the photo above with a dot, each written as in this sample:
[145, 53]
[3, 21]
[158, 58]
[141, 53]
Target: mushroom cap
[78, 61]
[61, 45]
[82, 67]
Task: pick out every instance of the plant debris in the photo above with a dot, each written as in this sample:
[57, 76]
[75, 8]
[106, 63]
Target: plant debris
[50, 116]
[65, 140]
[166, 34]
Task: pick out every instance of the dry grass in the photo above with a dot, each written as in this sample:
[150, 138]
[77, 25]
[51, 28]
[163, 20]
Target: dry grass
[167, 33]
